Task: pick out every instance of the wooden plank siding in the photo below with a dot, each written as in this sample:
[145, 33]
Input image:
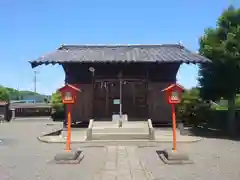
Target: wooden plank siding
[141, 90]
[134, 98]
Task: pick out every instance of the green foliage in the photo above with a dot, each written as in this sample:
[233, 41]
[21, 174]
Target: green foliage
[222, 45]
[4, 94]
[21, 95]
[56, 101]
[238, 101]
[57, 106]
[192, 108]
[220, 78]
[14, 94]
[191, 94]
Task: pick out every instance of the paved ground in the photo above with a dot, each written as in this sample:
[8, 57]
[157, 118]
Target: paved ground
[23, 157]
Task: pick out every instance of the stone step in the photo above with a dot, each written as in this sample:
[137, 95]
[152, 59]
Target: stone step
[165, 132]
[135, 124]
[120, 136]
[119, 130]
[109, 130]
[105, 124]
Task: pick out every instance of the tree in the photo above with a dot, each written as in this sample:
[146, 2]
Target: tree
[13, 94]
[57, 106]
[221, 77]
[192, 109]
[56, 101]
[4, 94]
[191, 94]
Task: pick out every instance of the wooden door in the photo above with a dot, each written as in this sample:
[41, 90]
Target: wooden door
[113, 94]
[128, 98]
[134, 99]
[140, 99]
[99, 103]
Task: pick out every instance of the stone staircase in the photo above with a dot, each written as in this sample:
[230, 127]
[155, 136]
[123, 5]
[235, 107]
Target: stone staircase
[166, 133]
[110, 130]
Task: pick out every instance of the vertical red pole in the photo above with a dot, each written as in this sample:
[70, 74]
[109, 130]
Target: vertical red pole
[174, 128]
[68, 148]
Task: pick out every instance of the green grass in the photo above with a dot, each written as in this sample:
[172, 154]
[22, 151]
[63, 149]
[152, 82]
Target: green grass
[221, 108]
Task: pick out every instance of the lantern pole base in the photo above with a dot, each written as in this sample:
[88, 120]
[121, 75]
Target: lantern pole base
[69, 157]
[174, 157]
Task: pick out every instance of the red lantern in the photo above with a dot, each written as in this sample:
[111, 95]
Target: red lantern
[173, 93]
[69, 93]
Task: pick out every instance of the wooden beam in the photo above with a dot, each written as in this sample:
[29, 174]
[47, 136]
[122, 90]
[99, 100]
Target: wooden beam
[107, 100]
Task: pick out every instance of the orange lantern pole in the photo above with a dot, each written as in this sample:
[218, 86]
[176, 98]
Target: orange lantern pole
[174, 128]
[173, 93]
[69, 122]
[69, 93]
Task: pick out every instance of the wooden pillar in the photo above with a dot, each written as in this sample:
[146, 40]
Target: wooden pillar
[134, 97]
[107, 100]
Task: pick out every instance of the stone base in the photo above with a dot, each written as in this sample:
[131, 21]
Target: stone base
[71, 157]
[171, 157]
[116, 118]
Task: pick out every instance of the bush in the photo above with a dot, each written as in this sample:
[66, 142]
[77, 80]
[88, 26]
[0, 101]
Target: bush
[192, 109]
[192, 112]
[58, 111]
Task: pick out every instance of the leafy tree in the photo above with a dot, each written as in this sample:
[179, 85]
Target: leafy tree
[20, 95]
[238, 101]
[221, 77]
[191, 94]
[4, 94]
[13, 94]
[192, 109]
[57, 106]
[56, 101]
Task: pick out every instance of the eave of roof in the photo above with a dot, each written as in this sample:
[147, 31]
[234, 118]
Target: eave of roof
[119, 54]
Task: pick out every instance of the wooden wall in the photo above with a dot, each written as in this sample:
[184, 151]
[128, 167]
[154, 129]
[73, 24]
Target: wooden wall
[159, 110]
[158, 76]
[82, 109]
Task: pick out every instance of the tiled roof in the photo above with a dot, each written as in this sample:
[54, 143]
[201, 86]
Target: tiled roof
[120, 53]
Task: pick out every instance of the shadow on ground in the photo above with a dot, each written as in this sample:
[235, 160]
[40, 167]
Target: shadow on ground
[211, 132]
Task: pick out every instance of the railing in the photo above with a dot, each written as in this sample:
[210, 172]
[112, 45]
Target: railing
[151, 130]
[89, 130]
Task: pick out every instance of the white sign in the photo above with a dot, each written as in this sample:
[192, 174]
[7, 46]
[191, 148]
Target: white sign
[116, 101]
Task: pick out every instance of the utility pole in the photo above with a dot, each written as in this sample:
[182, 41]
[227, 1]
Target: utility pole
[120, 94]
[19, 97]
[92, 70]
[35, 81]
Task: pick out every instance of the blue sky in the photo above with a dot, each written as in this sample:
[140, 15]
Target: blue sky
[30, 29]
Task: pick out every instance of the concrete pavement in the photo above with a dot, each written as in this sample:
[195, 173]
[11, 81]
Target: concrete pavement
[122, 162]
[25, 158]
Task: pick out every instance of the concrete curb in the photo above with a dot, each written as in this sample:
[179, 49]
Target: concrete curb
[55, 132]
[52, 139]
